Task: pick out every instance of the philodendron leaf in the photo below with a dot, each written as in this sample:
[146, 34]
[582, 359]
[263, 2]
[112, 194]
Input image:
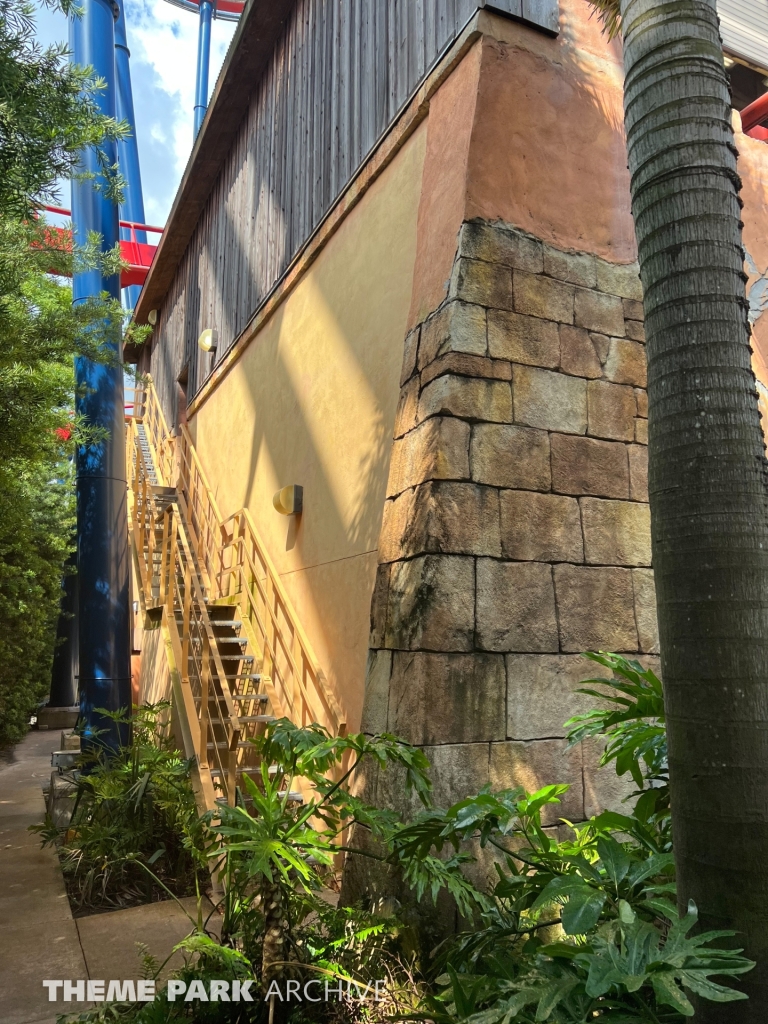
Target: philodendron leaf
[602, 975]
[669, 994]
[554, 994]
[615, 858]
[560, 888]
[698, 982]
[582, 911]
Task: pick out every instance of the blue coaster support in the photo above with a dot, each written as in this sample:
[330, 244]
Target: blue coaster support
[203, 62]
[127, 150]
[102, 525]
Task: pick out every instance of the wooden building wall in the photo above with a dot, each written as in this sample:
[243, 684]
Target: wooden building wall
[337, 78]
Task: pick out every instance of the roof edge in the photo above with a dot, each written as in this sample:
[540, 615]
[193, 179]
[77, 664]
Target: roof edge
[252, 44]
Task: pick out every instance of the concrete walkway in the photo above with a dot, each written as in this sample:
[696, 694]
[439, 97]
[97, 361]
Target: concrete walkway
[38, 936]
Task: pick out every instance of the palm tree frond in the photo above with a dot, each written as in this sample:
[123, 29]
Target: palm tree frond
[609, 12]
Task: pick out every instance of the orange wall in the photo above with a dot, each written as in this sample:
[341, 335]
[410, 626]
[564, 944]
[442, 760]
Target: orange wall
[529, 130]
[753, 167]
[312, 401]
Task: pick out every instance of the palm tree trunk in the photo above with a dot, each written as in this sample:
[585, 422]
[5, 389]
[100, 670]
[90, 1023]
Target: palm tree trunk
[273, 953]
[707, 472]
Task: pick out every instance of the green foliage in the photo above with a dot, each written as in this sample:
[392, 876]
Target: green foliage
[578, 922]
[575, 928]
[636, 738]
[585, 926]
[35, 530]
[134, 835]
[272, 847]
[48, 111]
[628, 971]
[47, 114]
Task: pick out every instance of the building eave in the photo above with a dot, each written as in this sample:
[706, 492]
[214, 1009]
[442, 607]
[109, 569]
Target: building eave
[250, 50]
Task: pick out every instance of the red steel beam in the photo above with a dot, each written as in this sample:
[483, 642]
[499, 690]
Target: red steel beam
[138, 255]
[756, 112]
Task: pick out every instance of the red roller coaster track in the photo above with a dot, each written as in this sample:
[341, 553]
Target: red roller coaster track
[138, 255]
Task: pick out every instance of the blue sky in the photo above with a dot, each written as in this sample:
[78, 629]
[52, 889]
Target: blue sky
[163, 44]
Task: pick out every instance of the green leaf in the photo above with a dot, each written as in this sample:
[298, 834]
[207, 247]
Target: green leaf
[554, 993]
[560, 888]
[657, 864]
[669, 994]
[582, 911]
[562, 950]
[697, 981]
[603, 975]
[615, 859]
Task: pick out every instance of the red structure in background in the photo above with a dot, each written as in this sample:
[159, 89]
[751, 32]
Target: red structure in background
[751, 117]
[138, 255]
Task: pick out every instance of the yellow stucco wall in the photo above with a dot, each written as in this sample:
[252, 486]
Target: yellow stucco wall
[312, 401]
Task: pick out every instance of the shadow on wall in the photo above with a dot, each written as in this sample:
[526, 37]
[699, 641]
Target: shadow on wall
[546, 153]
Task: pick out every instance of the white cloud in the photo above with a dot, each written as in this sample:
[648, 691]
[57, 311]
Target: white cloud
[164, 39]
[163, 44]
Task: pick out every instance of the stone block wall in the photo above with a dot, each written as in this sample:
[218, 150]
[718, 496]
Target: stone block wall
[516, 531]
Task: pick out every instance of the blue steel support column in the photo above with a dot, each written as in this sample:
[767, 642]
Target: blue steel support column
[128, 151]
[102, 527]
[203, 62]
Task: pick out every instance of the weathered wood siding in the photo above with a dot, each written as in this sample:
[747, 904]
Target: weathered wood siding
[337, 78]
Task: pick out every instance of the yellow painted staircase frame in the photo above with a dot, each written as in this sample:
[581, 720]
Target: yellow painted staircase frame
[197, 572]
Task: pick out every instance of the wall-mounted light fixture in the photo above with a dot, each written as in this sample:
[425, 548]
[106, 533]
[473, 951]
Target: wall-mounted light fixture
[289, 501]
[209, 340]
[152, 317]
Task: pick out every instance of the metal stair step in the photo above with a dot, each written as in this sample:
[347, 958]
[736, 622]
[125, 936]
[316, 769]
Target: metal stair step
[232, 657]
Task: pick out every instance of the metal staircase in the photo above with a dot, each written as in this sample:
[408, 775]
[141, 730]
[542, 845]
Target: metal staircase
[237, 656]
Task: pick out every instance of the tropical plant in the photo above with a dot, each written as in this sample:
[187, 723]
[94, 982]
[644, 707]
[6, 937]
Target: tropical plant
[134, 835]
[274, 852]
[576, 922]
[574, 929]
[277, 857]
[633, 726]
[582, 926]
[35, 529]
[706, 454]
[48, 113]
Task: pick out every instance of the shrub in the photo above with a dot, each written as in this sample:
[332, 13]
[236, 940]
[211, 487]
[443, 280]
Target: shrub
[579, 924]
[134, 836]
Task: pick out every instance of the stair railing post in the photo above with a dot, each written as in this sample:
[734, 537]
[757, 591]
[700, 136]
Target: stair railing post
[298, 699]
[172, 548]
[136, 453]
[269, 652]
[151, 527]
[140, 490]
[232, 767]
[205, 686]
[164, 553]
[186, 624]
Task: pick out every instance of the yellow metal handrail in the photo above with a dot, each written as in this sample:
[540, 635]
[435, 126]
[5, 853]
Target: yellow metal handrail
[232, 564]
[176, 587]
